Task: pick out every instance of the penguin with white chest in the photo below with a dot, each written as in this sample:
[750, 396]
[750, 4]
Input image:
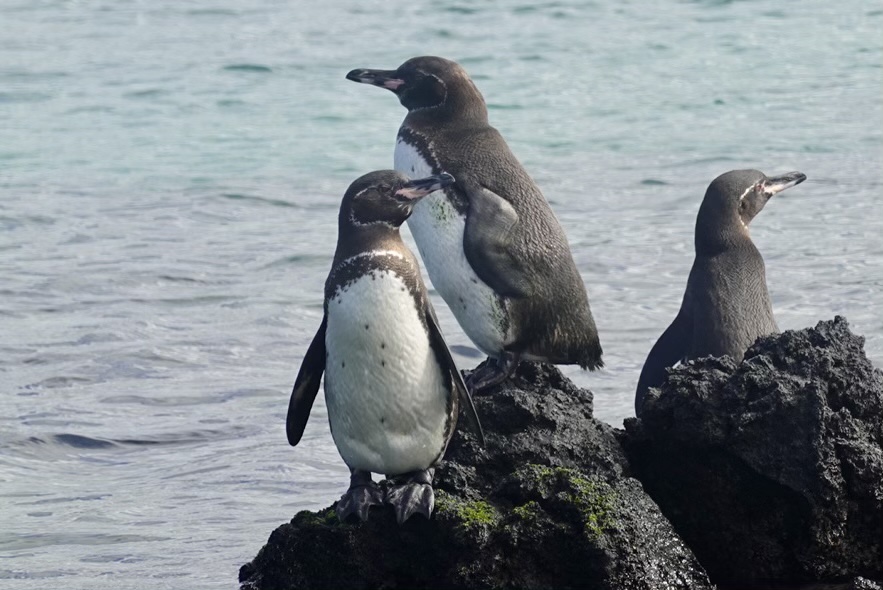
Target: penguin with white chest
[491, 244]
[726, 305]
[391, 386]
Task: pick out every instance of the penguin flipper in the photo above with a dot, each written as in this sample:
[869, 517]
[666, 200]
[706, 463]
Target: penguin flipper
[443, 354]
[486, 241]
[306, 386]
[671, 347]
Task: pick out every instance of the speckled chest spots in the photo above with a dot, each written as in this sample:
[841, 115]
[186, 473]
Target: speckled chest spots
[387, 396]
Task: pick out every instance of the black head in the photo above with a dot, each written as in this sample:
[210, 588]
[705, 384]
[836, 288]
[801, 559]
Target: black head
[386, 198]
[426, 83]
[732, 200]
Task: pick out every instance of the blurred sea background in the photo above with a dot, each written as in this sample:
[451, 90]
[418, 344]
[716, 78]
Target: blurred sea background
[170, 174]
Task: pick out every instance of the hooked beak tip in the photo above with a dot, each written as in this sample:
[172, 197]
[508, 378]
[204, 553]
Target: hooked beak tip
[382, 78]
[785, 181]
[419, 188]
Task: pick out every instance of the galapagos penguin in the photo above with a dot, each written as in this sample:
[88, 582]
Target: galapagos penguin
[491, 244]
[391, 387]
[726, 306]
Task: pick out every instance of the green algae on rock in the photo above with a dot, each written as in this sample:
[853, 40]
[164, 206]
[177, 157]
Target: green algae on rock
[546, 503]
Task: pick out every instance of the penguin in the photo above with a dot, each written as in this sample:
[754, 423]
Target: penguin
[391, 386]
[491, 244]
[726, 305]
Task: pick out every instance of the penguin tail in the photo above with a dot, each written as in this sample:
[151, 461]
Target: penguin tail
[591, 364]
[589, 358]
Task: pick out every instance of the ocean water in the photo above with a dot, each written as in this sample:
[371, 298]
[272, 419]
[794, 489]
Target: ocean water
[170, 174]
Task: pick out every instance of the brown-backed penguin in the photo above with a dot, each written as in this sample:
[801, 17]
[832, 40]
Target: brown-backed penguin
[726, 306]
[491, 244]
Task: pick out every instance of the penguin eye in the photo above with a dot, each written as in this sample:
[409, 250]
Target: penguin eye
[384, 188]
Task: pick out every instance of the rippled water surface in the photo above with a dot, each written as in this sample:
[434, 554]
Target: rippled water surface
[170, 174]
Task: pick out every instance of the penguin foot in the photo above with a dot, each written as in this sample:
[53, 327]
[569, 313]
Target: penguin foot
[493, 373]
[412, 494]
[362, 494]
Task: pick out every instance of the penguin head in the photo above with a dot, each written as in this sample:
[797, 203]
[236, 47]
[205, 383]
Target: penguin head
[732, 200]
[386, 197]
[426, 82]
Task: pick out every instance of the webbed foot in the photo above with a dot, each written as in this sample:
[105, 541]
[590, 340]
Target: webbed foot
[411, 494]
[493, 373]
[362, 494]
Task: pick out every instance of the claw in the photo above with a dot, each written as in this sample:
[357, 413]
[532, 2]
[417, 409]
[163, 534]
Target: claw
[362, 494]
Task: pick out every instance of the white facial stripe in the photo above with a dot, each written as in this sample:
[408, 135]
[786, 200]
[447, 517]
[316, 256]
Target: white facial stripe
[741, 197]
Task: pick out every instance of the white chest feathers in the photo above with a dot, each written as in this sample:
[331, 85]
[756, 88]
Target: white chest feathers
[386, 394]
[438, 230]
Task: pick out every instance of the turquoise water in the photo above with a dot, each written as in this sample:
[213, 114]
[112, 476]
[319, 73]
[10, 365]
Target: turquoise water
[169, 179]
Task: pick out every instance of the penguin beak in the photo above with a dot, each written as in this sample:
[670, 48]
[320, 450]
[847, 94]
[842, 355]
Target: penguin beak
[383, 78]
[417, 189]
[777, 184]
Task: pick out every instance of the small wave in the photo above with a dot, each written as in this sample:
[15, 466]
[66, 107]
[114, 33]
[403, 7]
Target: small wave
[505, 107]
[185, 438]
[248, 68]
[30, 574]
[231, 102]
[92, 443]
[477, 59]
[212, 12]
[182, 400]
[462, 9]
[18, 541]
[197, 471]
[296, 259]
[180, 300]
[148, 93]
[59, 381]
[79, 441]
[90, 109]
[256, 199]
[25, 75]
[16, 97]
[695, 161]
[175, 279]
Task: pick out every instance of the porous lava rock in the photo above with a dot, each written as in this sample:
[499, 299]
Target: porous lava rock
[546, 503]
[771, 470]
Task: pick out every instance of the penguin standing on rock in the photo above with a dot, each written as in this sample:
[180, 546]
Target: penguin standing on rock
[726, 306]
[391, 387]
[491, 244]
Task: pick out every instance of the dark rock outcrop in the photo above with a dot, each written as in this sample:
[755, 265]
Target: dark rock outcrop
[547, 503]
[771, 470]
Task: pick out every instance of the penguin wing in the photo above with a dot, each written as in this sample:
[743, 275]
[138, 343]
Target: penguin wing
[306, 386]
[487, 238]
[671, 347]
[443, 354]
